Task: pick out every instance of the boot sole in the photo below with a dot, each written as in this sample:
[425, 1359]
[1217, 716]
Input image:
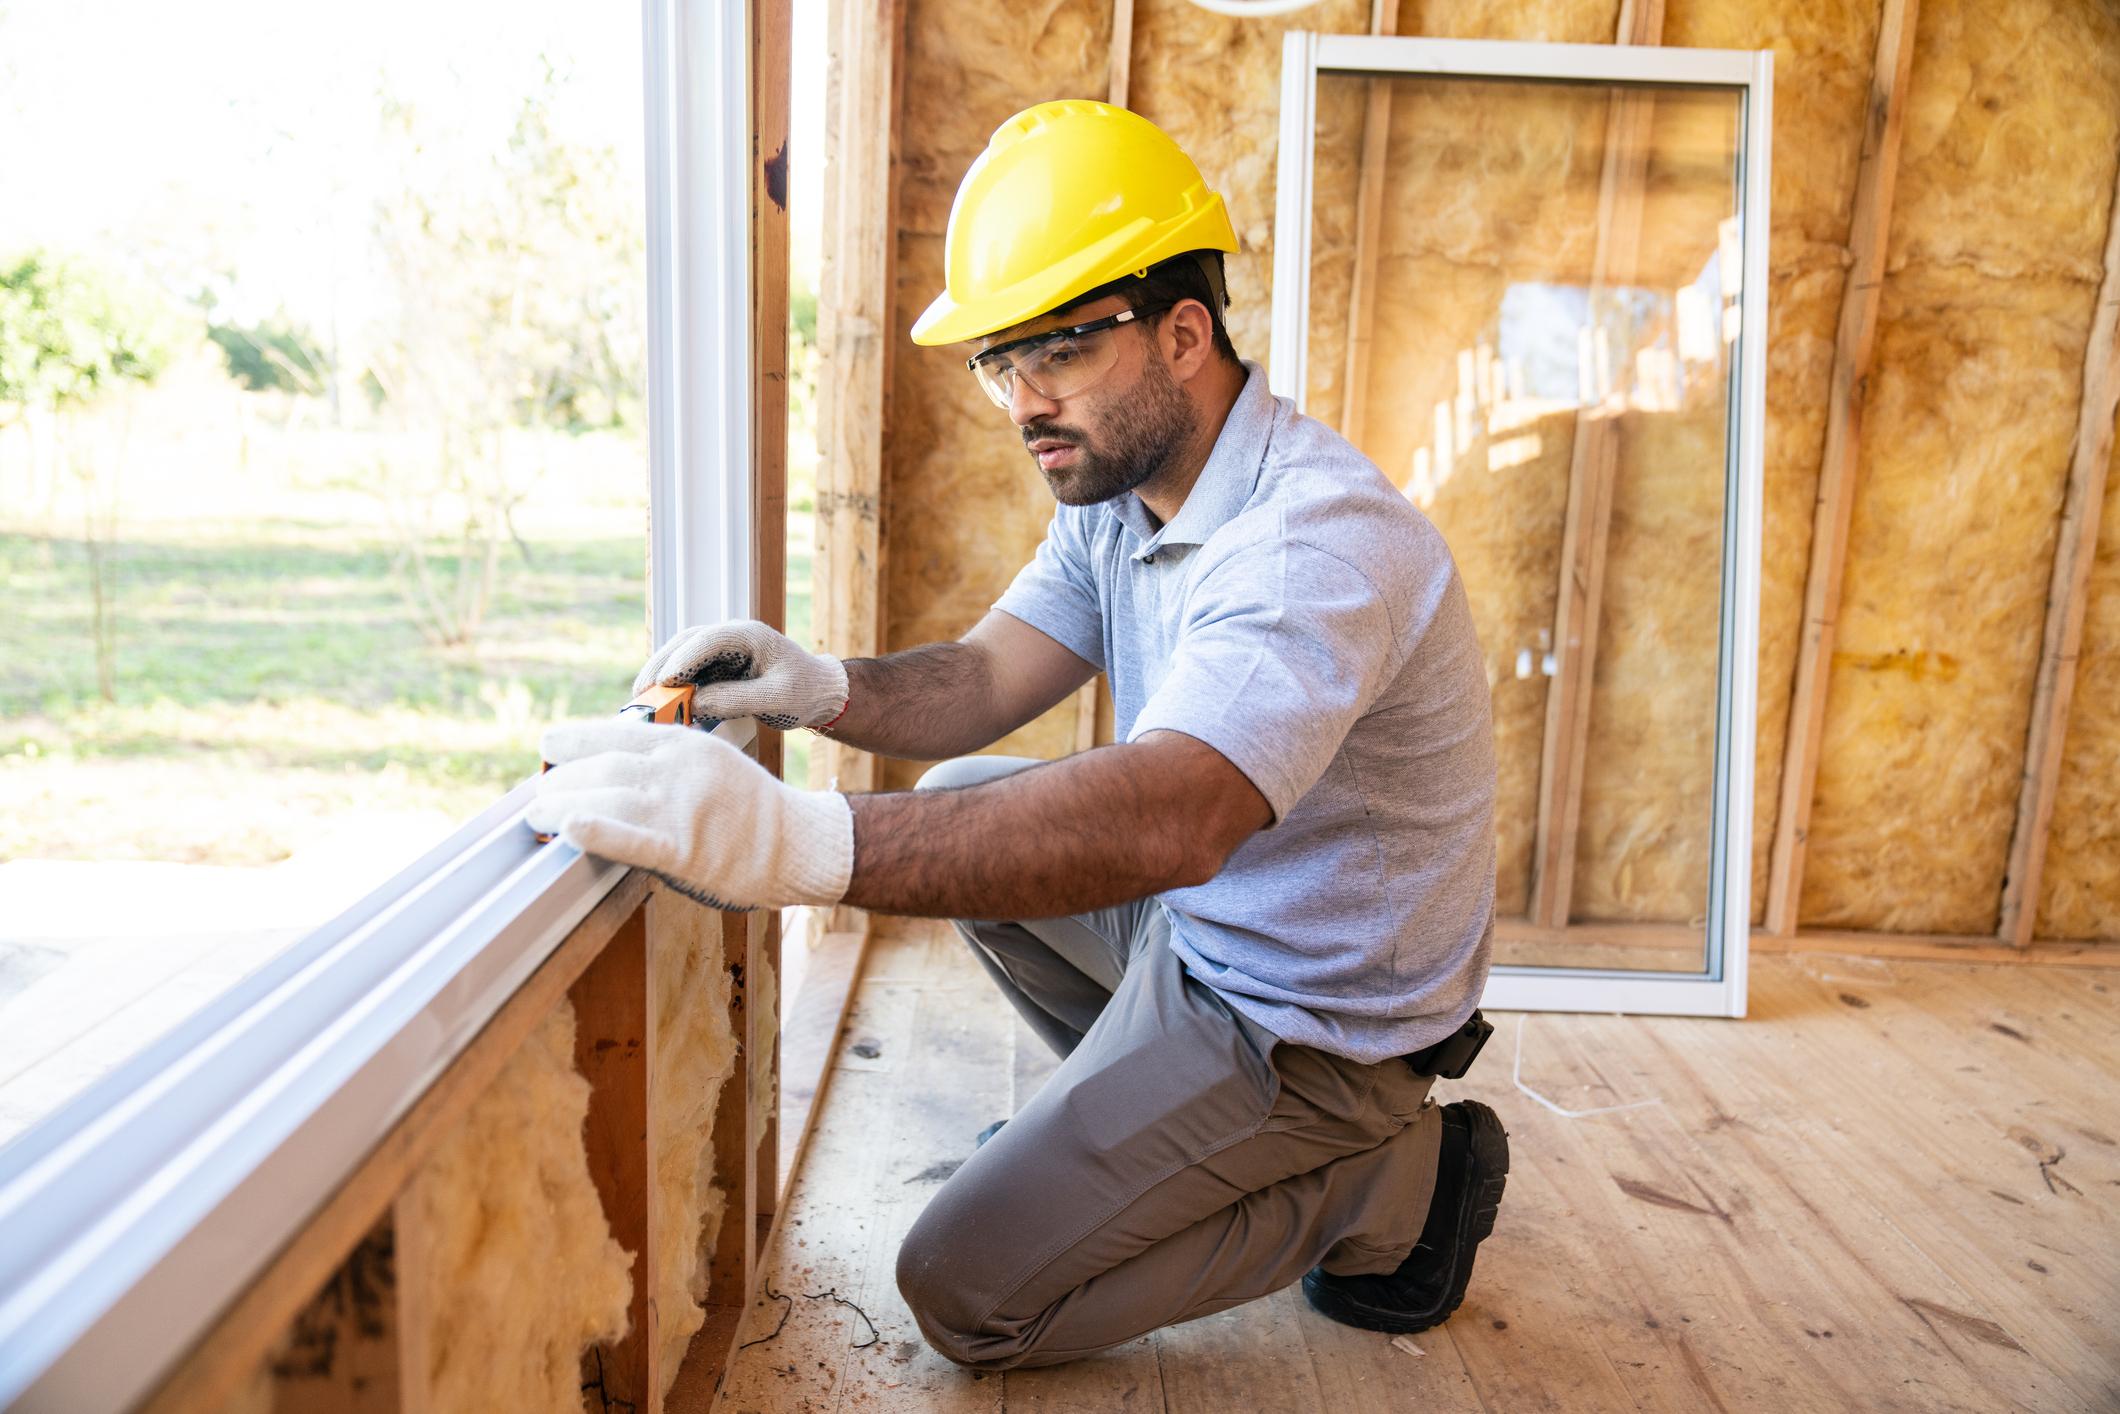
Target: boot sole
[1487, 1158]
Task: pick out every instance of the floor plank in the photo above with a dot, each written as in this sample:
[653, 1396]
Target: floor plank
[1843, 1201]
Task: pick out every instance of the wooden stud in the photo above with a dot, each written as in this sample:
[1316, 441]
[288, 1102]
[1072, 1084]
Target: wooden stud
[342, 1355]
[1922, 947]
[771, 74]
[1853, 345]
[735, 1254]
[228, 1354]
[763, 1045]
[856, 329]
[614, 1048]
[1918, 947]
[1593, 464]
[2066, 601]
[1122, 53]
[772, 68]
[1368, 233]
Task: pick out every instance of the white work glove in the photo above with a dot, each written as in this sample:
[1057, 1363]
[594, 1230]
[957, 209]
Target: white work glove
[693, 809]
[744, 668]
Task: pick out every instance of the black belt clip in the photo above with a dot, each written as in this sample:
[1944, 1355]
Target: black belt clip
[1452, 1056]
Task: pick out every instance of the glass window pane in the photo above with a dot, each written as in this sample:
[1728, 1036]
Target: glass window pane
[1553, 304]
[322, 471]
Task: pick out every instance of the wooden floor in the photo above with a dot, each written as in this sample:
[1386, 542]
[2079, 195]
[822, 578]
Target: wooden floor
[1895, 1186]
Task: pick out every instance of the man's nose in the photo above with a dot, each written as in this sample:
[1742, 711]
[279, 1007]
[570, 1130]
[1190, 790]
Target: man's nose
[1027, 405]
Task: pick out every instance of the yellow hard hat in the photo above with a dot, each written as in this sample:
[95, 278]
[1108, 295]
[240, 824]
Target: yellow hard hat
[1067, 196]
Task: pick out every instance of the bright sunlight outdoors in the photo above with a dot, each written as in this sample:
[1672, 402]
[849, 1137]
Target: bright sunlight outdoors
[322, 467]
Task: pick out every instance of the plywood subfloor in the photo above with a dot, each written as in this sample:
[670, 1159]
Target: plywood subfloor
[1894, 1187]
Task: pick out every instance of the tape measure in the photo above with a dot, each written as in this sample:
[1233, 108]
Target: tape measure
[671, 705]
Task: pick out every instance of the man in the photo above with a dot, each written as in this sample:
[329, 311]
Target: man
[1238, 923]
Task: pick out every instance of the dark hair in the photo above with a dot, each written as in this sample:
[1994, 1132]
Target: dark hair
[1195, 275]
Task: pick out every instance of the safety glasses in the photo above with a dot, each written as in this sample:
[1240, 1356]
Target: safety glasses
[1058, 363]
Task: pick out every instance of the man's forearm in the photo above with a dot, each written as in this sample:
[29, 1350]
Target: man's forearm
[924, 704]
[1096, 829]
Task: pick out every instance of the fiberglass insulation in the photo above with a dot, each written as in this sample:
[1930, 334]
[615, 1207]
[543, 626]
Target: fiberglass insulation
[1995, 258]
[522, 1273]
[695, 1053]
[2080, 891]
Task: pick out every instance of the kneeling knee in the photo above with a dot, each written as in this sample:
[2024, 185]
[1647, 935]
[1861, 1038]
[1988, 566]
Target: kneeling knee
[937, 1291]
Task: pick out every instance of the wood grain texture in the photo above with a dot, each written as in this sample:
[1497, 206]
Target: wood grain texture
[614, 1041]
[855, 319]
[1122, 52]
[1876, 182]
[1842, 1202]
[2067, 600]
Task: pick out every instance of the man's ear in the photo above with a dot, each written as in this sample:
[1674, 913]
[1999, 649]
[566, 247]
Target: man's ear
[1189, 337]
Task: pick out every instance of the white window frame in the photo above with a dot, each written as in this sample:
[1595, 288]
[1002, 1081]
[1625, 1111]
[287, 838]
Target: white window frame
[134, 1214]
[1719, 989]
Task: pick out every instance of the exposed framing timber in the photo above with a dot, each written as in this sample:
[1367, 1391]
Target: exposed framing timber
[1122, 53]
[614, 1049]
[1944, 947]
[1912, 947]
[856, 323]
[229, 1352]
[1368, 234]
[772, 74]
[1592, 464]
[2066, 601]
[1854, 343]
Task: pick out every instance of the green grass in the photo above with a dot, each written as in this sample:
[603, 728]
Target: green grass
[274, 669]
[272, 682]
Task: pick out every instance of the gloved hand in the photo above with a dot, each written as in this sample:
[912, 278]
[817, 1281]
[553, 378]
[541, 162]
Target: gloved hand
[744, 668]
[693, 809]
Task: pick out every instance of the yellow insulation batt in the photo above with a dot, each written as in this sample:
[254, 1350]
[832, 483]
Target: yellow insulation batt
[695, 1053]
[1995, 258]
[1824, 52]
[2080, 891]
[520, 1273]
[763, 1009]
[1214, 84]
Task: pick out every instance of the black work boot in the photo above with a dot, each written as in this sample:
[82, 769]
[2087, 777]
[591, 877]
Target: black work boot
[1431, 1282]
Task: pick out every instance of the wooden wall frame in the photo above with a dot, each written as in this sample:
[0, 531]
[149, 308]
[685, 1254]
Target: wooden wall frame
[2067, 601]
[856, 329]
[1869, 231]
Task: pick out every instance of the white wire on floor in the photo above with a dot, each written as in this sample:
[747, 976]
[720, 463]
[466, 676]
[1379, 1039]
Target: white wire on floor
[1517, 1076]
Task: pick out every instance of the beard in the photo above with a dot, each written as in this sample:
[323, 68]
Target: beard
[1148, 425]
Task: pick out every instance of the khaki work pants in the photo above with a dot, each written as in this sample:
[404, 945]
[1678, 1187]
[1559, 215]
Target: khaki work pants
[1182, 1160]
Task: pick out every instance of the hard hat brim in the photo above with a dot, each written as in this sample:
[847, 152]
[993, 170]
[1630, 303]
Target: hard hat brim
[1134, 248]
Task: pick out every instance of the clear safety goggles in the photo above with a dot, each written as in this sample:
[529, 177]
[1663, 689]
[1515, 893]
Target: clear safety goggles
[1058, 363]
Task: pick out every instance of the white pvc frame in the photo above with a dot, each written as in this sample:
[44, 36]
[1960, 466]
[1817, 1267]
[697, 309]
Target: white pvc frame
[1719, 989]
[134, 1214]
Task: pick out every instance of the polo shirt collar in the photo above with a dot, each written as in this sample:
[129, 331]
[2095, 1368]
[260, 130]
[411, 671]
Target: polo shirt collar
[1226, 482]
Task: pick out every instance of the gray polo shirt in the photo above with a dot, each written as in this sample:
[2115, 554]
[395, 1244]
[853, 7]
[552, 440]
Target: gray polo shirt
[1302, 618]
